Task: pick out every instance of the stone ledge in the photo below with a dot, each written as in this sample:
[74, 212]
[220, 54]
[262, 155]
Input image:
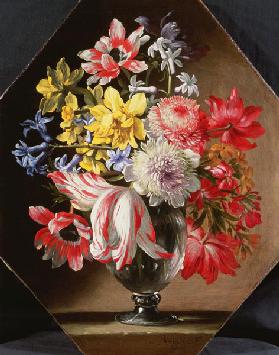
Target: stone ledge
[98, 333]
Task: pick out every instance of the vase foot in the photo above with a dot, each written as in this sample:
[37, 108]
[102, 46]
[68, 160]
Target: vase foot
[146, 312]
[135, 318]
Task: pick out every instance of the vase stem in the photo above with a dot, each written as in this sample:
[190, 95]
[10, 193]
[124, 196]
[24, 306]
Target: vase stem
[146, 312]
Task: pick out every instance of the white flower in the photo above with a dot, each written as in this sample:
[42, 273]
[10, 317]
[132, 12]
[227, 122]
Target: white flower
[171, 60]
[188, 85]
[163, 172]
[139, 86]
[160, 46]
[169, 57]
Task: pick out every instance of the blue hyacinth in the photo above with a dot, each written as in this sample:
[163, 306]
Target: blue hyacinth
[61, 163]
[119, 159]
[25, 157]
[38, 124]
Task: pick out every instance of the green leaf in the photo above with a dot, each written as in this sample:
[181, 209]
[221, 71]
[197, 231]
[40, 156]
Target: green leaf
[51, 103]
[121, 83]
[75, 76]
[218, 220]
[60, 102]
[115, 178]
[200, 220]
[63, 68]
[89, 99]
[229, 216]
[98, 93]
[55, 80]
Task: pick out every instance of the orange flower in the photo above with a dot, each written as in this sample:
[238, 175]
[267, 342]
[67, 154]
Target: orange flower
[246, 181]
[225, 152]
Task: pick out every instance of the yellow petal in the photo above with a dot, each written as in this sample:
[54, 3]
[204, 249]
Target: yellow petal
[86, 163]
[71, 101]
[44, 87]
[139, 130]
[92, 127]
[99, 111]
[67, 114]
[96, 167]
[66, 124]
[107, 120]
[101, 154]
[112, 99]
[128, 123]
[132, 141]
[136, 105]
[100, 140]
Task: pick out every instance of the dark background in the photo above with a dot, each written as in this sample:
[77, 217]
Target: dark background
[24, 27]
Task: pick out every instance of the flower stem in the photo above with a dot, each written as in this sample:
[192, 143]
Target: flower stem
[219, 129]
[169, 83]
[74, 146]
[169, 80]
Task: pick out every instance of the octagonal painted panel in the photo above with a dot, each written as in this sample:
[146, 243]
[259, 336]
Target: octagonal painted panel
[84, 301]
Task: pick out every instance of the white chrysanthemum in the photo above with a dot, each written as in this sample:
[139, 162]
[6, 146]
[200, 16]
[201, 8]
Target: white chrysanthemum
[163, 172]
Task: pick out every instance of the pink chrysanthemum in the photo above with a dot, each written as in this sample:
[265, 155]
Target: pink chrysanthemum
[180, 121]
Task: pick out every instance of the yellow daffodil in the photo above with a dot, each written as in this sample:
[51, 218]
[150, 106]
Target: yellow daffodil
[118, 123]
[55, 87]
[91, 159]
[71, 130]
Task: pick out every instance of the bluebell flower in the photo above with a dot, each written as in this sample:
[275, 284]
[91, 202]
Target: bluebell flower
[173, 36]
[26, 159]
[61, 163]
[119, 159]
[85, 120]
[38, 124]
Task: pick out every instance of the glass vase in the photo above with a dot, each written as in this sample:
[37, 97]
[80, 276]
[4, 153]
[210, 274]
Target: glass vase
[145, 277]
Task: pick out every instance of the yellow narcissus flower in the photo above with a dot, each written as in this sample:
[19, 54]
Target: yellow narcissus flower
[55, 87]
[71, 130]
[91, 159]
[118, 123]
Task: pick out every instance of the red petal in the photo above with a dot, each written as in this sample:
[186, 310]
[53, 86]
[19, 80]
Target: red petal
[255, 130]
[251, 113]
[193, 254]
[108, 63]
[60, 221]
[82, 189]
[104, 45]
[116, 33]
[90, 54]
[231, 137]
[40, 214]
[91, 68]
[252, 218]
[135, 66]
[42, 238]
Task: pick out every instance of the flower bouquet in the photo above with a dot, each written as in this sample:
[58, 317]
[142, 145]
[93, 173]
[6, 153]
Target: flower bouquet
[154, 184]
